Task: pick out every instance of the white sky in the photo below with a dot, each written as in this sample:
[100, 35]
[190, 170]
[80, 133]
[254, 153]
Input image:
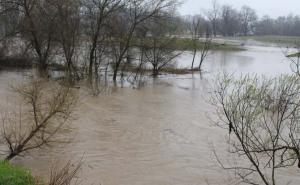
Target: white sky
[274, 8]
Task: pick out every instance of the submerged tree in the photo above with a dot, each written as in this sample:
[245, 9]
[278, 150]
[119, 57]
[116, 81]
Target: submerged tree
[196, 29]
[205, 48]
[96, 16]
[160, 50]
[38, 27]
[126, 22]
[45, 109]
[68, 33]
[262, 117]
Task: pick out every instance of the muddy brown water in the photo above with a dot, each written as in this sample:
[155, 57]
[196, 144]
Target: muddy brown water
[158, 135]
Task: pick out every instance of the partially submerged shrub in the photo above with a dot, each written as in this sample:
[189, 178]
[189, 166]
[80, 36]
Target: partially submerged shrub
[66, 175]
[263, 119]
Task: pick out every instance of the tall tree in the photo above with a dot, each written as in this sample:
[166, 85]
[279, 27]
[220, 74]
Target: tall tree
[196, 27]
[229, 21]
[213, 16]
[248, 19]
[68, 32]
[39, 28]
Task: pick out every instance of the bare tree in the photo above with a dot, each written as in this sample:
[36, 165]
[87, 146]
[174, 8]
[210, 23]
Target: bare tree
[196, 28]
[205, 48]
[213, 16]
[9, 24]
[45, 110]
[262, 116]
[229, 21]
[39, 28]
[135, 13]
[97, 14]
[137, 76]
[68, 33]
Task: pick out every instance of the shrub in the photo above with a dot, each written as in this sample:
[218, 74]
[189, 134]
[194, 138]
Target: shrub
[11, 175]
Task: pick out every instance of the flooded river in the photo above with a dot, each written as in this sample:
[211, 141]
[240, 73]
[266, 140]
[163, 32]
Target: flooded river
[158, 135]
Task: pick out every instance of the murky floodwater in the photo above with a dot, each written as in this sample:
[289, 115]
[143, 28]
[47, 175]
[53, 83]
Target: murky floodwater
[158, 135]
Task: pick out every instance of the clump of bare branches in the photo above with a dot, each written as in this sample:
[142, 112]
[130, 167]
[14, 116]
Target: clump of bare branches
[262, 116]
[45, 109]
[66, 175]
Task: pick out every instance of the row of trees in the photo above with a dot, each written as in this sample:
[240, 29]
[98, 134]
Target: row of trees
[227, 21]
[87, 35]
[284, 25]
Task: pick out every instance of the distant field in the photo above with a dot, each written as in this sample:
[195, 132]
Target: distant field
[187, 44]
[291, 40]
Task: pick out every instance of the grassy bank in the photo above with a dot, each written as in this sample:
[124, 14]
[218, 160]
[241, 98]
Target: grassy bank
[186, 44]
[13, 175]
[295, 55]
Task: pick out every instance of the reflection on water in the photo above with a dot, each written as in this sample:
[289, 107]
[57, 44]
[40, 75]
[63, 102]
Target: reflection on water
[158, 135]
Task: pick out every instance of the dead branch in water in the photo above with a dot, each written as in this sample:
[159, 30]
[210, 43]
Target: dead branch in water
[45, 109]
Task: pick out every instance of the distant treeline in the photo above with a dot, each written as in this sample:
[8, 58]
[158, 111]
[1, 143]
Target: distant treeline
[227, 21]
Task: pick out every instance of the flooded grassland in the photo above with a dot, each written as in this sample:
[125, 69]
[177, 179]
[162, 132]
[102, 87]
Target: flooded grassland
[158, 135]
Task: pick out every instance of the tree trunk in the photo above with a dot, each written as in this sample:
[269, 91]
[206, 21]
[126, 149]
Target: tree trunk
[42, 68]
[10, 156]
[194, 56]
[155, 71]
[215, 29]
[90, 72]
[201, 61]
[115, 73]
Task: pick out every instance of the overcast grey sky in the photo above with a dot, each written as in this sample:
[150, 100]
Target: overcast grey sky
[274, 8]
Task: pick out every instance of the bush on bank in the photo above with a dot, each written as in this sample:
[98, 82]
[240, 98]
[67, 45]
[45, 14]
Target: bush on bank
[13, 175]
